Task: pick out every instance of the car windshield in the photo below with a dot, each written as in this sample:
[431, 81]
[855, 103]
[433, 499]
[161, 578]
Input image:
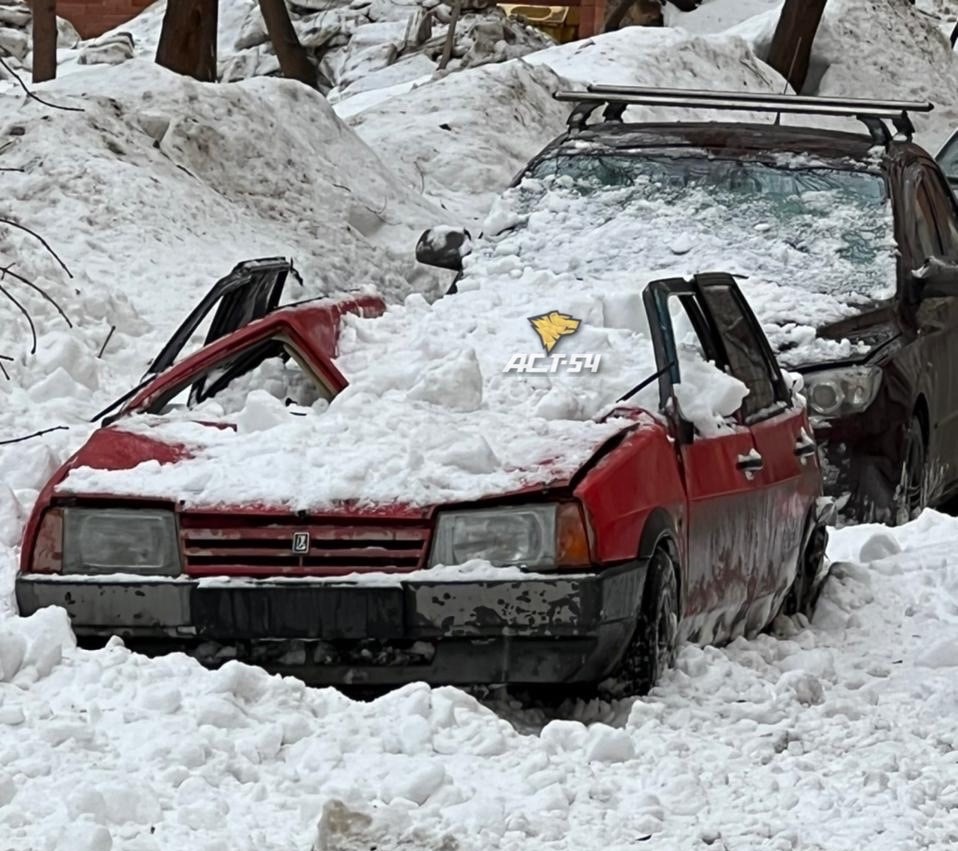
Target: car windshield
[811, 244]
[829, 230]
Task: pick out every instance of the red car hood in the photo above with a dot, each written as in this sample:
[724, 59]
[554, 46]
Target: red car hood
[115, 448]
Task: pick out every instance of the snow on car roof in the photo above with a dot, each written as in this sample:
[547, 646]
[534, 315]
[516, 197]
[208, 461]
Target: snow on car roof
[432, 413]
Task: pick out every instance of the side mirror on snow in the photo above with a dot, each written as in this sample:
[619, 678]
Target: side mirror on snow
[937, 278]
[444, 247]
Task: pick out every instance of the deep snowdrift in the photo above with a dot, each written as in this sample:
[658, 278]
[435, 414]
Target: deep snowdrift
[840, 736]
[464, 137]
[152, 192]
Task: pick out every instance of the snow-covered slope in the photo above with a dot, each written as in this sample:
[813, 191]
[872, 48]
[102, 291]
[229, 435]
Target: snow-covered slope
[836, 737]
[149, 194]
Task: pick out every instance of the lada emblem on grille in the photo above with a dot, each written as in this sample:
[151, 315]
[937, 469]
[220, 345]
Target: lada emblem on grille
[300, 542]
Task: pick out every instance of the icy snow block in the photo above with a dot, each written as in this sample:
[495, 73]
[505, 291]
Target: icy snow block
[14, 42]
[608, 744]
[880, 545]
[942, 654]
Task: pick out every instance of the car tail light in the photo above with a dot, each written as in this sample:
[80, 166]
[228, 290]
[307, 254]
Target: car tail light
[48, 546]
[572, 536]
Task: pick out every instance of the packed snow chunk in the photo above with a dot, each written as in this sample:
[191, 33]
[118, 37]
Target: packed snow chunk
[941, 654]
[560, 735]
[11, 517]
[455, 383]
[608, 744]
[882, 544]
[804, 687]
[261, 412]
[344, 827]
[36, 642]
[414, 782]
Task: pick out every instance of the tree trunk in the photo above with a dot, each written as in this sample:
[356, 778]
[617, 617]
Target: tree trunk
[188, 38]
[44, 40]
[293, 60]
[792, 43]
[646, 13]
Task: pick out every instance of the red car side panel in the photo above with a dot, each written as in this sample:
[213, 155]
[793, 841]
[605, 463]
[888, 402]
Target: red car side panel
[791, 485]
[637, 477]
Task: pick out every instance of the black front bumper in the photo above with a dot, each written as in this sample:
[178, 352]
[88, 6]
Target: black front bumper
[552, 630]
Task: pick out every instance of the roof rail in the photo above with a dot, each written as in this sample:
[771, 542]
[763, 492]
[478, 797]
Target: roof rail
[872, 113]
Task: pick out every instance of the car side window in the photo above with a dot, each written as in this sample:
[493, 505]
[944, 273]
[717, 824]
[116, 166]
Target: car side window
[747, 357]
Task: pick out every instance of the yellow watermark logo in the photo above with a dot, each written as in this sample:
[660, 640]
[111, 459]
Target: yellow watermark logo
[550, 328]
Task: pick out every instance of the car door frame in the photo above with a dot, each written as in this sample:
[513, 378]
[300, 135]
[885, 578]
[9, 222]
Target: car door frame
[784, 498]
[718, 473]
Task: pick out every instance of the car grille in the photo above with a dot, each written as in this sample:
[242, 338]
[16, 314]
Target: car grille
[335, 547]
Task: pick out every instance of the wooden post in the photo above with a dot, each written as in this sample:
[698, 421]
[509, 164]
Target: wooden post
[44, 40]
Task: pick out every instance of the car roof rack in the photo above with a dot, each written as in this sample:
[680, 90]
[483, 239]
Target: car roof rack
[872, 113]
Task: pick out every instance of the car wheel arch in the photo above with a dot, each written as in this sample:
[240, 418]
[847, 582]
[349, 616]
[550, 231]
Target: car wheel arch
[659, 531]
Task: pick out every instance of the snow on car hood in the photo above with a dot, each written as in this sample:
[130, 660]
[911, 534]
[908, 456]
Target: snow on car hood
[432, 414]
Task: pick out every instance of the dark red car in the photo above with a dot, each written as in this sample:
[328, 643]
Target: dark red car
[662, 535]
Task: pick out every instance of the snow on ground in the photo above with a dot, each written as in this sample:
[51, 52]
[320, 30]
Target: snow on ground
[836, 736]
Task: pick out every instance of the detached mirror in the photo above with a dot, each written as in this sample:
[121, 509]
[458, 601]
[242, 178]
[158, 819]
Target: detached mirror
[444, 247]
[937, 278]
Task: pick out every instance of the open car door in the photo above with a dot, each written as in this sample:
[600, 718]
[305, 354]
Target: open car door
[252, 290]
[751, 484]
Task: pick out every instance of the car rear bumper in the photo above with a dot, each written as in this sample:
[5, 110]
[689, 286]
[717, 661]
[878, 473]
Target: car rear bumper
[552, 630]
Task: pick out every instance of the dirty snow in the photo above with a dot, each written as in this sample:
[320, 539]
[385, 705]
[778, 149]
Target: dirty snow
[838, 736]
[835, 736]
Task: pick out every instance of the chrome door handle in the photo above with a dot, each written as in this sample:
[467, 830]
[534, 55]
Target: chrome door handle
[751, 464]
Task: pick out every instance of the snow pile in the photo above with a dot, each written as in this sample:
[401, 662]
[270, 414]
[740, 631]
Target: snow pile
[464, 137]
[431, 414]
[358, 44]
[157, 188]
[839, 736]
[863, 48]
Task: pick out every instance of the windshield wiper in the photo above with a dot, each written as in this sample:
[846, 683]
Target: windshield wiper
[646, 382]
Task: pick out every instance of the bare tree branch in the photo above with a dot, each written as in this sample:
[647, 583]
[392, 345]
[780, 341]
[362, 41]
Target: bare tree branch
[32, 96]
[40, 433]
[26, 313]
[8, 270]
[43, 242]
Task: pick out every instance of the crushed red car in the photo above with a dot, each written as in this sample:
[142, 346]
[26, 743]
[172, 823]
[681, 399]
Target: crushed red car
[661, 533]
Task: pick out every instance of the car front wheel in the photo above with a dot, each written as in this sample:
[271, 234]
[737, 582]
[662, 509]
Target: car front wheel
[652, 648]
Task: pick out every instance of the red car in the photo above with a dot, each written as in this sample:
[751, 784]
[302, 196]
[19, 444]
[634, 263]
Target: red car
[663, 534]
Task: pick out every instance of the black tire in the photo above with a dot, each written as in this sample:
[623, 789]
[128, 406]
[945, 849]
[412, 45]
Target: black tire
[652, 647]
[803, 595]
[910, 494]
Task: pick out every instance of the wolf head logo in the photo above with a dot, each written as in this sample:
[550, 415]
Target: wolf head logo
[552, 326]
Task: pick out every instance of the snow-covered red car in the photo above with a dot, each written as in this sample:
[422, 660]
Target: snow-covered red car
[520, 483]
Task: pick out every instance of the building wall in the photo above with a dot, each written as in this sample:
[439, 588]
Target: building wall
[95, 17]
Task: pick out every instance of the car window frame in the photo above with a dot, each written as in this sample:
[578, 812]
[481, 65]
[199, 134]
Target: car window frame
[154, 404]
[689, 292]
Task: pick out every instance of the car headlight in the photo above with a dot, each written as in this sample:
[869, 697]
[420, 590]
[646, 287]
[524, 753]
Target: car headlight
[120, 540]
[537, 537]
[839, 392]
